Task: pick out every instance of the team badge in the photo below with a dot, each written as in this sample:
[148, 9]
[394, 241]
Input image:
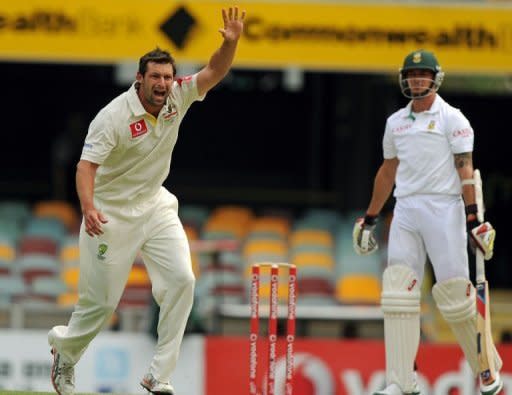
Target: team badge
[416, 58]
[431, 125]
[170, 114]
[102, 250]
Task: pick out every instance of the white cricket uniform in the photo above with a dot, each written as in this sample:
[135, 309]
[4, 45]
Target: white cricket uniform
[429, 213]
[134, 150]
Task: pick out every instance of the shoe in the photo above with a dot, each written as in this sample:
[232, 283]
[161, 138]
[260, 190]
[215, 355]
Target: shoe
[154, 386]
[394, 389]
[494, 388]
[62, 375]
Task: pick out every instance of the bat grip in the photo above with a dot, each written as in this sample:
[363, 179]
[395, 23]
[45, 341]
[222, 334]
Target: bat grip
[480, 266]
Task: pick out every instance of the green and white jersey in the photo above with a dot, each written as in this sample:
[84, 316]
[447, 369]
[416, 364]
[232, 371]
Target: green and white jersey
[132, 147]
[425, 143]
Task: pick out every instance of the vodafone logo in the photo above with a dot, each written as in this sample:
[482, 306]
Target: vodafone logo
[311, 376]
[138, 128]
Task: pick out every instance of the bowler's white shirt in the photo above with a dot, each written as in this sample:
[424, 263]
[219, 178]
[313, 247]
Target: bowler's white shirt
[132, 147]
[425, 143]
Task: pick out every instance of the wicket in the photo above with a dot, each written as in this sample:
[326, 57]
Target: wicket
[269, 388]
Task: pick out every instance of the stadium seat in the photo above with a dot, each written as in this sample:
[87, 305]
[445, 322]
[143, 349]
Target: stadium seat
[7, 251]
[37, 245]
[358, 289]
[135, 297]
[33, 266]
[311, 236]
[69, 250]
[61, 210]
[320, 219]
[315, 286]
[47, 288]
[5, 267]
[269, 227]
[18, 211]
[70, 276]
[51, 228]
[276, 247]
[358, 277]
[193, 216]
[235, 220]
[10, 230]
[12, 288]
[313, 259]
[213, 281]
[67, 299]
[138, 277]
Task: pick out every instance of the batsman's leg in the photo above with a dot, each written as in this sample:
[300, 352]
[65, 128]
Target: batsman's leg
[401, 307]
[455, 299]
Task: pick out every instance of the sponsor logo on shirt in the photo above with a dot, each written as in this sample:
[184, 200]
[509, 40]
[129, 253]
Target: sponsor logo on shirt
[401, 128]
[87, 146]
[187, 79]
[466, 132]
[138, 128]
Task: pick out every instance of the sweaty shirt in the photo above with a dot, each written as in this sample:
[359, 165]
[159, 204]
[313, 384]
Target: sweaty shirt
[132, 147]
[425, 143]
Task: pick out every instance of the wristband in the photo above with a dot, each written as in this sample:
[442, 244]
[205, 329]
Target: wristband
[370, 219]
[471, 209]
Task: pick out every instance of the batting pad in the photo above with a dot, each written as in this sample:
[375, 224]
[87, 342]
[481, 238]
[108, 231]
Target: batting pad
[455, 299]
[401, 308]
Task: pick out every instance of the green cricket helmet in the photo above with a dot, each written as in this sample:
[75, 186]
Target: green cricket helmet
[420, 60]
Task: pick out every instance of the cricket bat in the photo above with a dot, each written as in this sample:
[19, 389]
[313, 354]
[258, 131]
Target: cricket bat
[484, 342]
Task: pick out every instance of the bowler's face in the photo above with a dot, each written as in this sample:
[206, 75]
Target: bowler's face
[155, 84]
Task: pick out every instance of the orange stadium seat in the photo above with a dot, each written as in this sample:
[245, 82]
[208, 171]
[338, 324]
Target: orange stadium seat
[358, 288]
[59, 209]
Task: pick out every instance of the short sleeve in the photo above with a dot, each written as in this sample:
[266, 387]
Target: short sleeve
[184, 91]
[460, 133]
[388, 145]
[100, 140]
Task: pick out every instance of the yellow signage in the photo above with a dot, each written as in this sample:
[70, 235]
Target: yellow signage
[328, 36]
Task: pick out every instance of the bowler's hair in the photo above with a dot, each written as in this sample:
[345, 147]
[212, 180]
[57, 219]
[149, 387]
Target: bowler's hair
[157, 55]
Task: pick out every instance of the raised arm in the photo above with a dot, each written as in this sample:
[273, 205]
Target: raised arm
[222, 58]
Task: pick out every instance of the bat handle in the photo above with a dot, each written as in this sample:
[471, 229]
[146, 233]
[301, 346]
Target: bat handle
[480, 266]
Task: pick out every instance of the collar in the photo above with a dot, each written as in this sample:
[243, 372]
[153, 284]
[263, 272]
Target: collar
[434, 108]
[134, 102]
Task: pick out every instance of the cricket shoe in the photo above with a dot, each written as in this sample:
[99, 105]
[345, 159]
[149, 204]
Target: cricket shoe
[62, 375]
[494, 388]
[394, 389]
[156, 387]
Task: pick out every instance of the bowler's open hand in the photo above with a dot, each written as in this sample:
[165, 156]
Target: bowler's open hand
[93, 220]
[233, 24]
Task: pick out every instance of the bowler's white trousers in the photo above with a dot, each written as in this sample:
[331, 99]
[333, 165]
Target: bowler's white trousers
[153, 227]
[433, 225]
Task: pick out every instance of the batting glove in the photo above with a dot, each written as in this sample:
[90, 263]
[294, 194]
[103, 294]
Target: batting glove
[363, 235]
[482, 237]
